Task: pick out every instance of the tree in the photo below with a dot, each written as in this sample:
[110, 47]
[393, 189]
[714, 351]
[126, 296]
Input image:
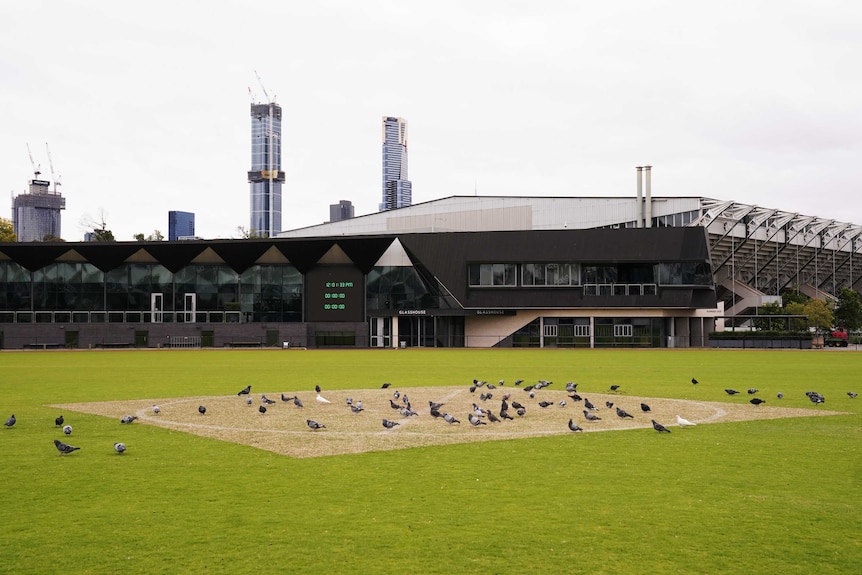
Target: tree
[246, 234]
[7, 231]
[767, 310]
[793, 296]
[51, 238]
[819, 314]
[97, 229]
[156, 236]
[796, 308]
[848, 313]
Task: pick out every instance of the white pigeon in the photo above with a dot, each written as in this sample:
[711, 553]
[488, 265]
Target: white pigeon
[248, 400]
[682, 422]
[322, 399]
[156, 409]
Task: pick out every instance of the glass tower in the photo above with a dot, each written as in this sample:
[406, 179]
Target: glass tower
[397, 192]
[180, 225]
[36, 215]
[265, 175]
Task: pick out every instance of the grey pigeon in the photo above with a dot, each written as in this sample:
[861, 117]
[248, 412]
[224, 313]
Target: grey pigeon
[493, 418]
[64, 448]
[297, 402]
[645, 408]
[544, 404]
[245, 391]
[852, 394]
[266, 400]
[314, 425]
[128, 419]
[589, 405]
[202, 410]
[521, 412]
[779, 395]
[574, 426]
[730, 391]
[450, 418]
[59, 421]
[475, 421]
[591, 416]
[505, 414]
[120, 448]
[355, 408]
[623, 413]
[394, 405]
[67, 430]
[571, 387]
[615, 387]
[389, 424]
[396, 395]
[752, 391]
[659, 427]
[156, 409]
[11, 421]
[517, 405]
[286, 398]
[519, 381]
[248, 401]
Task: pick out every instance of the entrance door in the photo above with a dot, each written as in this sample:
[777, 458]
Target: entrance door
[189, 307]
[157, 307]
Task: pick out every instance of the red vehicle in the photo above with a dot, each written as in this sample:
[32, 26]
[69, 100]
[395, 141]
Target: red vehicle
[837, 338]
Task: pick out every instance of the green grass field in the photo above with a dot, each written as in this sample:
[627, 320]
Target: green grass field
[771, 496]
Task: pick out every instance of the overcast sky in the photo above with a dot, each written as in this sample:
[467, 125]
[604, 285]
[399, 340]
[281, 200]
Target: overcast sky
[145, 107]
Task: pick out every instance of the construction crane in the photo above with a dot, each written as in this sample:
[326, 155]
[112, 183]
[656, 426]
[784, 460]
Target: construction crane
[36, 171]
[51, 165]
[259, 81]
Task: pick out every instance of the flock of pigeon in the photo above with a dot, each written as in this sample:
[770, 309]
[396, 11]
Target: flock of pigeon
[477, 416]
[65, 448]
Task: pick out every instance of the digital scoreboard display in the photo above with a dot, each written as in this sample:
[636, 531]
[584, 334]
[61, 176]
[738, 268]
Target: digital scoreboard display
[335, 293]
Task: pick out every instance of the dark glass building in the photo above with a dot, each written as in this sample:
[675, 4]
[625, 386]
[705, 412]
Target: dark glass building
[180, 225]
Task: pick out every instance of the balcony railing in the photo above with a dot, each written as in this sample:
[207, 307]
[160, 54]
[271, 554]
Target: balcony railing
[121, 317]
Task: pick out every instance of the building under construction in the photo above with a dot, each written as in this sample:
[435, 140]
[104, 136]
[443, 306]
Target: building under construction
[36, 214]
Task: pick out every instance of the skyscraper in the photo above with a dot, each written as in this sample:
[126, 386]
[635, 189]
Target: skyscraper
[397, 191]
[343, 210]
[181, 225]
[36, 215]
[265, 175]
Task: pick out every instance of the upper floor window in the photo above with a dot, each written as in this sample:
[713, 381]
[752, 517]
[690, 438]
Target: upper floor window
[550, 274]
[493, 275]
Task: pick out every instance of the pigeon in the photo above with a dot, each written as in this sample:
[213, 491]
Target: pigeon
[248, 401]
[505, 415]
[156, 409]
[589, 405]
[576, 397]
[478, 411]
[645, 408]
[120, 448]
[622, 413]
[286, 398]
[562, 403]
[407, 412]
[245, 391]
[405, 400]
[389, 424]
[434, 406]
[475, 421]
[493, 418]
[450, 419]
[517, 405]
[394, 405]
[615, 387]
[317, 388]
[815, 397]
[261, 409]
[202, 410]
[321, 399]
[752, 391]
[297, 402]
[757, 401]
[435, 412]
[779, 395]
[59, 421]
[852, 394]
[591, 416]
[491, 386]
[348, 401]
[385, 385]
[130, 418]
[519, 381]
[683, 422]
[571, 387]
[64, 448]
[472, 389]
[355, 408]
[574, 426]
[730, 391]
[396, 395]
[659, 427]
[544, 404]
[694, 381]
[521, 412]
[314, 425]
[11, 421]
[67, 429]
[266, 400]
[609, 404]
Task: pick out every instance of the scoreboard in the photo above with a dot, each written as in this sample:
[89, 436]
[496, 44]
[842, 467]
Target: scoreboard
[335, 293]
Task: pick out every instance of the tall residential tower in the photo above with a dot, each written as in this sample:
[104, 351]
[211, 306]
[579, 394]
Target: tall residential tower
[36, 215]
[397, 191]
[265, 175]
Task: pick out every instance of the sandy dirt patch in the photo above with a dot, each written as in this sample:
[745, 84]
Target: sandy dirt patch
[283, 429]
